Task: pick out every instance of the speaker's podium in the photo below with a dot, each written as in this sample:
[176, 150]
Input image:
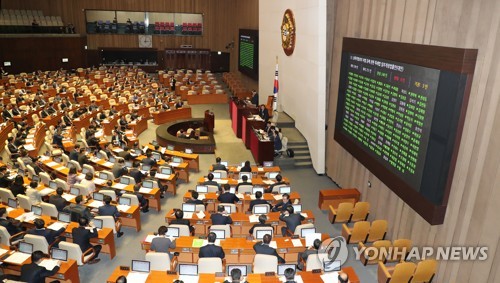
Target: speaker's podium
[209, 121]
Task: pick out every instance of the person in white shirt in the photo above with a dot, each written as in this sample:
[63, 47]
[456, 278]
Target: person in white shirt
[33, 194]
[88, 183]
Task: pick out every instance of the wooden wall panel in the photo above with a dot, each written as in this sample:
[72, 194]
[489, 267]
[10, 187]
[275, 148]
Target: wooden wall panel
[471, 218]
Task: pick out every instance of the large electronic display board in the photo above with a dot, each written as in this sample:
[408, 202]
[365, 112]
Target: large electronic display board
[400, 112]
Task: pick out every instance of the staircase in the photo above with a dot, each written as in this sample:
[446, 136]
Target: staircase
[296, 142]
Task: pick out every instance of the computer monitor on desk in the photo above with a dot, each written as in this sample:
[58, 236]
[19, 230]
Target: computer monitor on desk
[202, 189]
[26, 248]
[176, 159]
[59, 254]
[188, 150]
[261, 209]
[103, 176]
[37, 210]
[188, 269]
[272, 175]
[217, 175]
[306, 231]
[224, 163]
[259, 234]
[220, 234]
[285, 190]
[166, 171]
[156, 156]
[248, 174]
[53, 185]
[268, 164]
[64, 217]
[297, 208]
[141, 266]
[147, 184]
[173, 232]
[188, 207]
[242, 268]
[125, 181]
[124, 201]
[170, 147]
[98, 196]
[257, 189]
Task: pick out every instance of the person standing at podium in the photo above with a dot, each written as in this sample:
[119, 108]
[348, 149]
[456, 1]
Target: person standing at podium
[263, 113]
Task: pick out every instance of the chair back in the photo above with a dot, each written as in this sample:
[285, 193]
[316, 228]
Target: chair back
[24, 202]
[107, 222]
[31, 171]
[276, 189]
[103, 154]
[5, 194]
[400, 249]
[111, 176]
[403, 272]
[21, 164]
[133, 199]
[209, 265]
[73, 163]
[315, 261]
[44, 178]
[89, 168]
[298, 229]
[159, 261]
[63, 184]
[212, 189]
[183, 229]
[245, 189]
[361, 211]
[65, 159]
[226, 228]
[265, 263]
[359, 232]
[200, 207]
[74, 251]
[4, 236]
[377, 231]
[39, 242]
[49, 209]
[110, 193]
[343, 212]
[425, 271]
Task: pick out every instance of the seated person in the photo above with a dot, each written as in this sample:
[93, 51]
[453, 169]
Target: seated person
[57, 199]
[135, 173]
[290, 275]
[119, 168]
[247, 167]
[221, 217]
[49, 234]
[235, 276]
[82, 236]
[302, 257]
[343, 277]
[218, 165]
[162, 244]
[78, 210]
[244, 178]
[262, 223]
[163, 188]
[179, 215]
[121, 279]
[89, 184]
[72, 177]
[149, 160]
[283, 204]
[33, 194]
[279, 181]
[110, 210]
[17, 187]
[211, 250]
[4, 177]
[33, 272]
[211, 181]
[143, 202]
[12, 226]
[262, 247]
[258, 200]
[194, 198]
[226, 196]
[291, 219]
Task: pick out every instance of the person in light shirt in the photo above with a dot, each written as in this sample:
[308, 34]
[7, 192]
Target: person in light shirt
[89, 184]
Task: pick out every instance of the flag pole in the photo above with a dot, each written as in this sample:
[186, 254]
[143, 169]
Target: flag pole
[276, 88]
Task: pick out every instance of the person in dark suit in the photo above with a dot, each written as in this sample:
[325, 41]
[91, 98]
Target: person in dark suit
[290, 275]
[211, 181]
[44, 113]
[4, 177]
[302, 257]
[291, 219]
[226, 196]
[211, 250]
[110, 210]
[262, 223]
[82, 158]
[8, 223]
[179, 220]
[82, 236]
[73, 154]
[255, 98]
[258, 200]
[34, 273]
[194, 198]
[247, 167]
[148, 160]
[78, 210]
[136, 173]
[244, 178]
[218, 165]
[283, 204]
[17, 187]
[7, 112]
[143, 202]
[57, 139]
[262, 247]
[221, 217]
[279, 181]
[162, 244]
[12, 148]
[119, 169]
[49, 234]
[263, 113]
[58, 200]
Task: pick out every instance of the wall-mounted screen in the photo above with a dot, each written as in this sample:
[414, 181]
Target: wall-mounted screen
[400, 112]
[248, 53]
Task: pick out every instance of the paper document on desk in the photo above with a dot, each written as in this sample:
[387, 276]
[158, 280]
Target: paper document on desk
[52, 164]
[200, 215]
[268, 182]
[150, 238]
[95, 204]
[49, 264]
[162, 150]
[240, 196]
[29, 147]
[119, 186]
[189, 278]
[28, 140]
[117, 150]
[17, 258]
[174, 164]
[108, 164]
[9, 209]
[278, 197]
[27, 217]
[201, 196]
[98, 181]
[57, 225]
[297, 243]
[123, 208]
[43, 158]
[61, 168]
[253, 218]
[197, 243]
[3, 252]
[297, 279]
[188, 215]
[162, 176]
[273, 244]
[68, 197]
[329, 277]
[46, 191]
[238, 168]
[137, 277]
[222, 181]
[143, 190]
